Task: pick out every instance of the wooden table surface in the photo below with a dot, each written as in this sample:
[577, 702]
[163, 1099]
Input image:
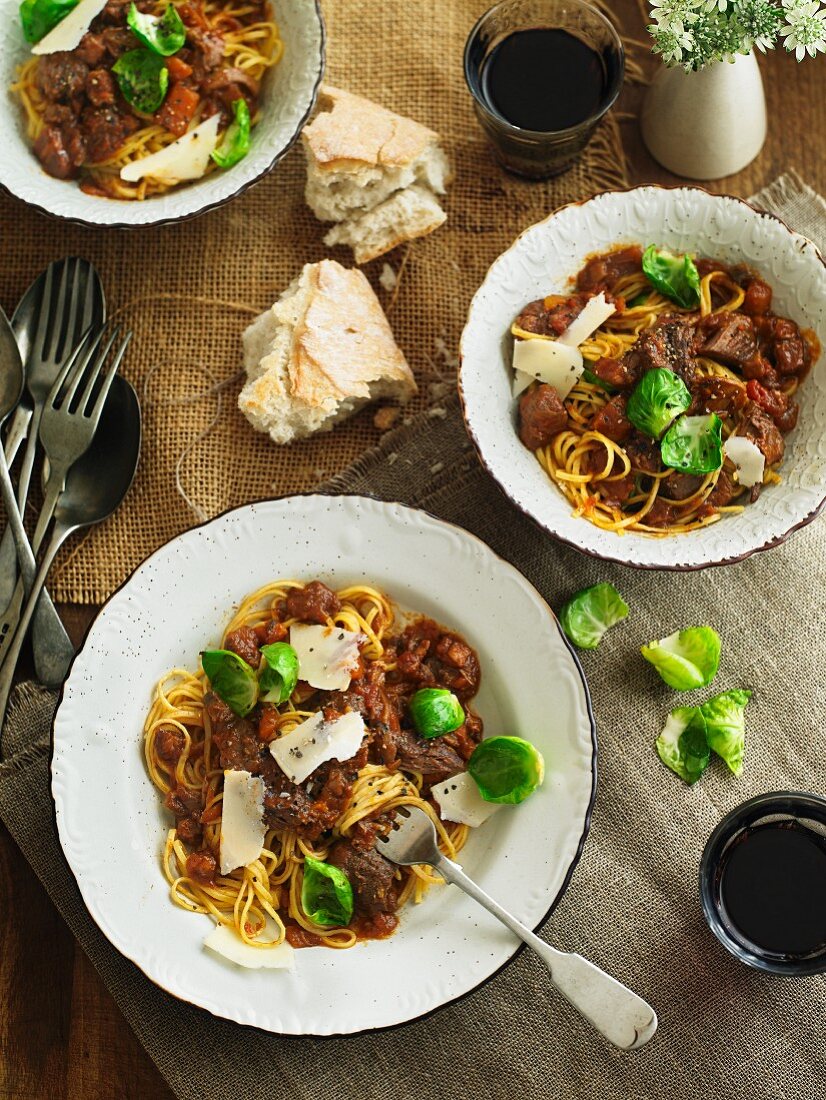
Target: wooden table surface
[61, 1034]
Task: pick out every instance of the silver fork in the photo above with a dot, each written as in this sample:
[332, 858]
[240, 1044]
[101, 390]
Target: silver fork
[625, 1019]
[68, 423]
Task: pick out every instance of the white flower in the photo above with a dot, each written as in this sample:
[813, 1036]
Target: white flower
[805, 30]
[674, 14]
[716, 5]
[760, 21]
[670, 43]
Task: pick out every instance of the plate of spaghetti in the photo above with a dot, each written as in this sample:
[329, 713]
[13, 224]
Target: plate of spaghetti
[654, 391]
[252, 709]
[140, 112]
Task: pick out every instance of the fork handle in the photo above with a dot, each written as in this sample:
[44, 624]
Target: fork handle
[624, 1018]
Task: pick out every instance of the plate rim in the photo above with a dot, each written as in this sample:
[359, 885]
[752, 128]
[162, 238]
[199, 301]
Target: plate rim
[672, 567]
[586, 825]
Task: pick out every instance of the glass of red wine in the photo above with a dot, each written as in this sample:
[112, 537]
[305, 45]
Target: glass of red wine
[542, 74]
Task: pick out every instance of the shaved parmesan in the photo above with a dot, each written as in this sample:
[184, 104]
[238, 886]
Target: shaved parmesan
[749, 460]
[521, 381]
[69, 31]
[316, 741]
[327, 655]
[185, 159]
[595, 313]
[223, 941]
[242, 820]
[459, 800]
[549, 361]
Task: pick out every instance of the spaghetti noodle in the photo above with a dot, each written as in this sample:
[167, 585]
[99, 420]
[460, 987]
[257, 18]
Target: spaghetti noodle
[190, 738]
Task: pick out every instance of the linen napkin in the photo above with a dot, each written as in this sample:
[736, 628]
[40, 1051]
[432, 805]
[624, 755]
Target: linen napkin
[632, 905]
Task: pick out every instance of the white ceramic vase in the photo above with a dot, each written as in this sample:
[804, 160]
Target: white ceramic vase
[706, 124]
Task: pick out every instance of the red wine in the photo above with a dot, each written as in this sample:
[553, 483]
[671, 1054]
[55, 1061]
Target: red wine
[773, 888]
[546, 79]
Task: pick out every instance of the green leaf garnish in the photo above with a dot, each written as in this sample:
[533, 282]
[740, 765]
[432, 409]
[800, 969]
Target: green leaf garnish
[38, 17]
[163, 34]
[506, 769]
[682, 745]
[725, 717]
[232, 679]
[435, 711]
[279, 672]
[687, 659]
[587, 616]
[595, 380]
[326, 894]
[658, 397]
[674, 276]
[236, 141]
[693, 444]
[143, 79]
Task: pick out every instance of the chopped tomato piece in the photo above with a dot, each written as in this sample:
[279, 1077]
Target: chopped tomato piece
[178, 109]
[178, 69]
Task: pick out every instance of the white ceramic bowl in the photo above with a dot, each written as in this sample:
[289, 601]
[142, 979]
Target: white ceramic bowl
[288, 96]
[542, 260]
[111, 819]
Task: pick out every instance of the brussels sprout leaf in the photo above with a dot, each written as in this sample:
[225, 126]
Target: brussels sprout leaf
[143, 79]
[279, 672]
[693, 444]
[232, 679]
[38, 17]
[236, 141]
[163, 34]
[686, 659]
[725, 718]
[682, 745]
[587, 616]
[326, 894]
[595, 380]
[658, 397]
[506, 769]
[674, 276]
[435, 711]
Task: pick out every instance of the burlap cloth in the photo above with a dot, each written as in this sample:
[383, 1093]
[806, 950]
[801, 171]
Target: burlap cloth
[188, 291]
[725, 1031]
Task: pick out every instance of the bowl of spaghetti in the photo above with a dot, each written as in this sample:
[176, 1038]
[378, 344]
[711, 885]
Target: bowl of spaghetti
[641, 373]
[130, 114]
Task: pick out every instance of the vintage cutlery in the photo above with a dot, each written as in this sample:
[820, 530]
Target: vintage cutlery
[95, 486]
[621, 1016]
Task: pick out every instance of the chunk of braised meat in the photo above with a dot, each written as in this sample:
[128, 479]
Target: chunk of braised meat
[309, 813]
[91, 49]
[679, 486]
[105, 129]
[604, 272]
[187, 807]
[100, 88]
[460, 671]
[724, 491]
[611, 420]
[314, 603]
[432, 757]
[718, 395]
[660, 514]
[727, 337]
[202, 866]
[169, 744]
[118, 41]
[552, 315]
[758, 426]
[615, 492]
[758, 299]
[667, 345]
[643, 453]
[208, 45]
[790, 350]
[622, 373]
[61, 76]
[541, 416]
[235, 738]
[370, 875]
[272, 631]
[465, 739]
[244, 642]
[51, 150]
[227, 85]
[412, 666]
[780, 406]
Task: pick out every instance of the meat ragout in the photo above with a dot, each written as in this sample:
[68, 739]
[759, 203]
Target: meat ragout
[422, 654]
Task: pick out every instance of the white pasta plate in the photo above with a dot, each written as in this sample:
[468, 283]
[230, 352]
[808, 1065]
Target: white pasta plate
[287, 98]
[112, 823]
[544, 259]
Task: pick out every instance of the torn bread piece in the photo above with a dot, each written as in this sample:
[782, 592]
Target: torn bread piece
[359, 155]
[320, 353]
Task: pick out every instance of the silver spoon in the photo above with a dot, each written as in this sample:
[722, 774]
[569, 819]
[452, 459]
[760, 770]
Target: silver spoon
[95, 486]
[625, 1019]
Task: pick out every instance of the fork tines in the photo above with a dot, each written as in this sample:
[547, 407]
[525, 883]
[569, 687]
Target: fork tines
[87, 367]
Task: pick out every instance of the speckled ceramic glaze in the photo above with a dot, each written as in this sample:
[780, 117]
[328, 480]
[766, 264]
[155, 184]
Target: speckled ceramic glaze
[542, 261]
[112, 824]
[287, 99]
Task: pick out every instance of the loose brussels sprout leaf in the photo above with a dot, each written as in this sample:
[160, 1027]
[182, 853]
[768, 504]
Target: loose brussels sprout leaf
[506, 769]
[595, 380]
[279, 672]
[682, 745]
[725, 717]
[694, 444]
[236, 141]
[587, 616]
[38, 17]
[674, 276]
[163, 35]
[435, 711]
[658, 397]
[232, 679]
[142, 78]
[686, 659]
[326, 894]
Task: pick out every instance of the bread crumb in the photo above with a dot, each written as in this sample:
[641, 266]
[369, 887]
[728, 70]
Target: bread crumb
[388, 278]
[385, 417]
[443, 352]
[437, 412]
[392, 457]
[438, 390]
[437, 467]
